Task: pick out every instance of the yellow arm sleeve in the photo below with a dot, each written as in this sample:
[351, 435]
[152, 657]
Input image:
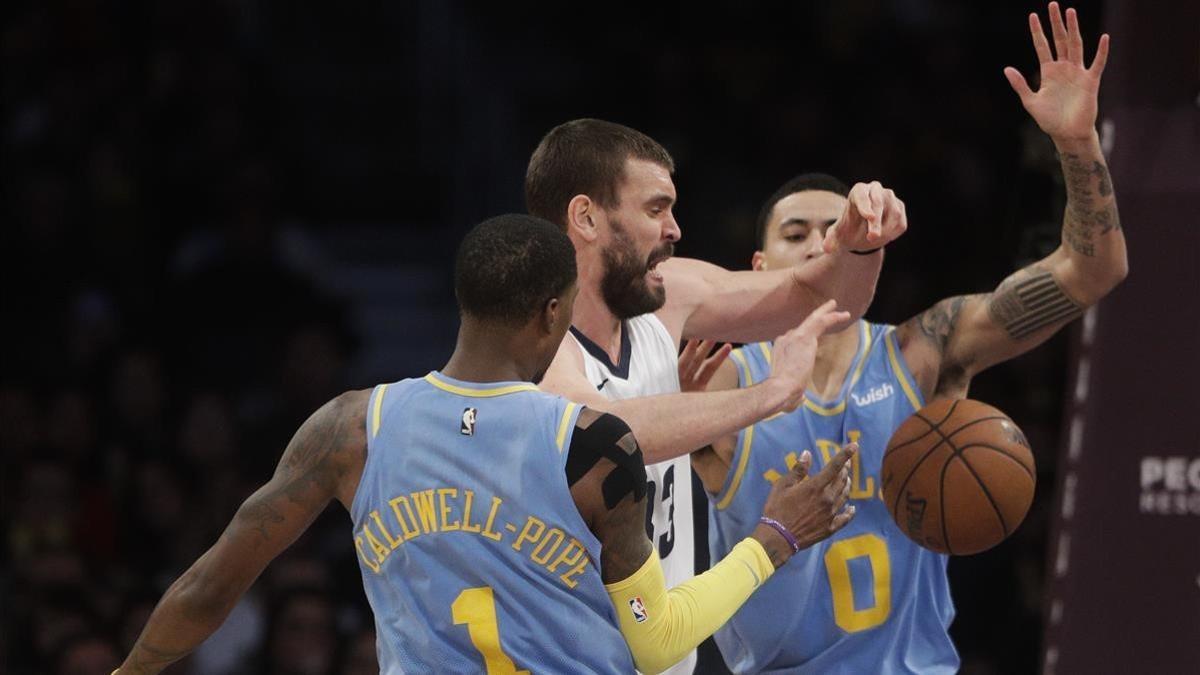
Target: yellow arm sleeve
[662, 626]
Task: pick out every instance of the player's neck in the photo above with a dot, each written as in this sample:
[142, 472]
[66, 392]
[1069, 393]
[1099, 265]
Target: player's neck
[488, 356]
[593, 318]
[835, 353]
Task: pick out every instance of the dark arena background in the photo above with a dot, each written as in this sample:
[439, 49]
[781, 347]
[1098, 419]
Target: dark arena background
[219, 215]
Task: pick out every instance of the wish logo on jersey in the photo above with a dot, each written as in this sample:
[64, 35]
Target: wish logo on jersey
[874, 395]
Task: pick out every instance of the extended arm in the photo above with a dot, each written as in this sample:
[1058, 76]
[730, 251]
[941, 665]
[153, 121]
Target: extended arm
[960, 336]
[661, 626]
[672, 425]
[707, 301]
[322, 462]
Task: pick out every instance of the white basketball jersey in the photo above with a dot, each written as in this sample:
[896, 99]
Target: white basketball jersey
[649, 366]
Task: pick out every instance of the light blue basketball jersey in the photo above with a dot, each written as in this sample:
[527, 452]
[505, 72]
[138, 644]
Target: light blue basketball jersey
[473, 555]
[867, 600]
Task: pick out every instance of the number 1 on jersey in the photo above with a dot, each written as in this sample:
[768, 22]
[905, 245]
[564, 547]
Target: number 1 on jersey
[476, 607]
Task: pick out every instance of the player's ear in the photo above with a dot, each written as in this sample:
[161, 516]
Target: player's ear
[581, 218]
[758, 262]
[550, 315]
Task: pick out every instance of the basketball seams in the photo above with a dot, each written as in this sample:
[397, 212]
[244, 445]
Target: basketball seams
[993, 438]
[974, 422]
[986, 492]
[912, 440]
[932, 427]
[942, 502]
[1003, 452]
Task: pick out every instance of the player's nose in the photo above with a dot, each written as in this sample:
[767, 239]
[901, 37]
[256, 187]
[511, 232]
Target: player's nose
[815, 245]
[671, 231]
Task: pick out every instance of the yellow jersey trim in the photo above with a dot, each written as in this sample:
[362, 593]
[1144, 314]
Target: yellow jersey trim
[747, 441]
[562, 424]
[377, 409]
[736, 481]
[893, 349]
[478, 393]
[766, 351]
[867, 344]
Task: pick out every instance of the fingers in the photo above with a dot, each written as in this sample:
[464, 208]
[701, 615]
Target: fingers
[835, 465]
[860, 200]
[825, 308]
[839, 490]
[895, 218]
[822, 319]
[1039, 39]
[800, 469]
[830, 243]
[878, 199]
[696, 351]
[688, 355]
[827, 322]
[1017, 81]
[1074, 39]
[1101, 59]
[711, 364]
[841, 519]
[689, 362]
[1059, 30]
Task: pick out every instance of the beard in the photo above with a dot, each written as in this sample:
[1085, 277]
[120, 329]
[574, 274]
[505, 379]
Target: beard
[624, 286]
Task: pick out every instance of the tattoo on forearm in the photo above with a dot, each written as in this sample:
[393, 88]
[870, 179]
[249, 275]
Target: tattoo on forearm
[1027, 302]
[260, 515]
[937, 323]
[1090, 210]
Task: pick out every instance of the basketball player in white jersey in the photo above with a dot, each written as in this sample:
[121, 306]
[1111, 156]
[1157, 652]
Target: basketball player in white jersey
[610, 188]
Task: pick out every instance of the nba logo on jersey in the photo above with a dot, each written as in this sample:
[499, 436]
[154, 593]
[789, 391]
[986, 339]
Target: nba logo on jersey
[468, 422]
[638, 609]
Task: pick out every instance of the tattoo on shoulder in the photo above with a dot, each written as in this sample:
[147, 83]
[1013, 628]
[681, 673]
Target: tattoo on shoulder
[1085, 220]
[311, 466]
[938, 322]
[1029, 301]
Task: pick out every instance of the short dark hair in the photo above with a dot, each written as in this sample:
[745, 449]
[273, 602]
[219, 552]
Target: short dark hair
[507, 267]
[802, 183]
[584, 156]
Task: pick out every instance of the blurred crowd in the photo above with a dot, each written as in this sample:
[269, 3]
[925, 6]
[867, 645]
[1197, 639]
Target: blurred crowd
[164, 335]
[169, 167]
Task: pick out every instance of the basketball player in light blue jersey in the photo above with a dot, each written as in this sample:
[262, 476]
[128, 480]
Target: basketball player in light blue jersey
[869, 600]
[498, 528]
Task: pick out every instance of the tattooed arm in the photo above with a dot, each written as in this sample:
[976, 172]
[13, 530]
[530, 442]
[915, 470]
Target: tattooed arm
[958, 337]
[323, 461]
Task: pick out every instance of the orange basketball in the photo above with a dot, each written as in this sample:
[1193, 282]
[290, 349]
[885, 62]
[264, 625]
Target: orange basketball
[958, 476]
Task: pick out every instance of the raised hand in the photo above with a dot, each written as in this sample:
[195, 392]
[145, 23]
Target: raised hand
[874, 216]
[1064, 106]
[697, 364]
[809, 508]
[796, 350]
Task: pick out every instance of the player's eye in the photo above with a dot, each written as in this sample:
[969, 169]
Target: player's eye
[795, 236]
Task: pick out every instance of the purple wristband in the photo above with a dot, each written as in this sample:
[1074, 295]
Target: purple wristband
[783, 532]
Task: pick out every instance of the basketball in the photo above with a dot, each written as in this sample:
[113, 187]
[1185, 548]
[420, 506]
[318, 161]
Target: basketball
[958, 476]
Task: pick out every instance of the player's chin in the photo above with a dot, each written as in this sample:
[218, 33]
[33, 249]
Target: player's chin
[653, 292]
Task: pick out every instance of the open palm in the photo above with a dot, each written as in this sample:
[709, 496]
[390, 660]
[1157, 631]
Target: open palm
[1064, 106]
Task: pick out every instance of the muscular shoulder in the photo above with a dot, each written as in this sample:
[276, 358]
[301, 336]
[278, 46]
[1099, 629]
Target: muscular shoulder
[925, 342]
[331, 445]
